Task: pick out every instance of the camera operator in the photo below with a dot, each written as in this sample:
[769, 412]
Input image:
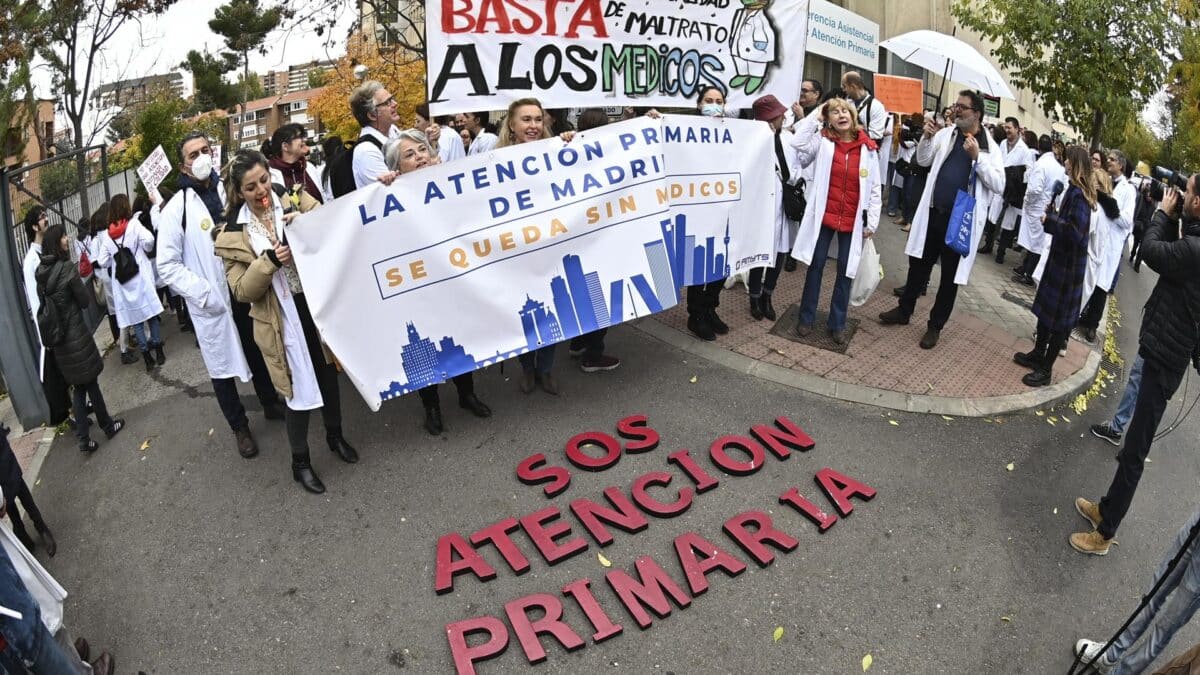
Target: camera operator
[1168, 342]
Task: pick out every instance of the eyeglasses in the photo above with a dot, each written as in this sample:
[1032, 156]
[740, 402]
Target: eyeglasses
[389, 102]
[959, 106]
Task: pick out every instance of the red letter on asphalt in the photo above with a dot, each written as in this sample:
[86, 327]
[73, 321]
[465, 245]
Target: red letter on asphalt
[687, 545]
[764, 531]
[720, 456]
[468, 561]
[604, 626]
[653, 506]
[784, 437]
[528, 473]
[543, 536]
[551, 622]
[497, 534]
[839, 489]
[592, 515]
[704, 482]
[575, 453]
[809, 510]
[650, 590]
[465, 657]
[638, 434]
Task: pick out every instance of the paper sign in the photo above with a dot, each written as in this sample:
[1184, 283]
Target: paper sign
[154, 170]
[991, 106]
[900, 94]
[216, 157]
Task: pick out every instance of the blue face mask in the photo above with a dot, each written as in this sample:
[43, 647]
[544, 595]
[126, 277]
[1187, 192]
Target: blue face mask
[712, 110]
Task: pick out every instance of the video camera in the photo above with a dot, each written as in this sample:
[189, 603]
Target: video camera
[1162, 178]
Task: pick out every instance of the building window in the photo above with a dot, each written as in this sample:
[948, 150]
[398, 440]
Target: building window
[262, 129]
[237, 119]
[299, 105]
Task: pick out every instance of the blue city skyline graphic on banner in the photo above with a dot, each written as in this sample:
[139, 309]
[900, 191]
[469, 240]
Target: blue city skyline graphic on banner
[577, 305]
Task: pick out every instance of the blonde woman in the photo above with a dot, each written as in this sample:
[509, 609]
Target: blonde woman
[844, 202]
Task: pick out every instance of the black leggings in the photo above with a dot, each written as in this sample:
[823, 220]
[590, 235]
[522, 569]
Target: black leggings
[465, 384]
[758, 285]
[327, 382]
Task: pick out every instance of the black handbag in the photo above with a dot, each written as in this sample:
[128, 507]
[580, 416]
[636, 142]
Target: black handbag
[793, 195]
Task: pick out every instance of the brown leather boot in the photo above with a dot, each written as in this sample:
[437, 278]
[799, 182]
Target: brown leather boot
[245, 442]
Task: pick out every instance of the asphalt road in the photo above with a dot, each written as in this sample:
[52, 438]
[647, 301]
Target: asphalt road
[185, 558]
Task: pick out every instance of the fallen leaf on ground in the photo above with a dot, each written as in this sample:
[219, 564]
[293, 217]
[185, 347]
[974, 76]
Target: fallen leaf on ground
[1066, 419]
[693, 380]
[1056, 510]
[1040, 413]
[778, 633]
[1006, 619]
[948, 418]
[1050, 422]
[1053, 418]
[145, 445]
[603, 561]
[210, 432]
[893, 423]
[1011, 466]
[867, 661]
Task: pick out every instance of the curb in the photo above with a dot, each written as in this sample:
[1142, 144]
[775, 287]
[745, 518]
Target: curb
[39, 455]
[856, 393]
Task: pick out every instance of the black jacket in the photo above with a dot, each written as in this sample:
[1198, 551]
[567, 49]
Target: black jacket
[1170, 332]
[76, 356]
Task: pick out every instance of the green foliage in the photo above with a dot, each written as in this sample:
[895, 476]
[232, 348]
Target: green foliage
[1183, 143]
[158, 124]
[59, 179]
[318, 78]
[1082, 58]
[252, 86]
[245, 25]
[212, 91]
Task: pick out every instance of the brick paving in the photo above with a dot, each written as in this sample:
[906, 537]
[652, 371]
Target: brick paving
[972, 360]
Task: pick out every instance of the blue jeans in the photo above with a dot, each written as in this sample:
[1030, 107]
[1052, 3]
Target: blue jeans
[1169, 610]
[895, 197]
[812, 283]
[1128, 397]
[139, 331]
[540, 360]
[28, 638]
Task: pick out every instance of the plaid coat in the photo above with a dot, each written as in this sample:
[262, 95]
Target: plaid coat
[1060, 294]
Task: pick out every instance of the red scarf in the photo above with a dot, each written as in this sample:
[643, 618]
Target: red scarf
[117, 230]
[297, 172]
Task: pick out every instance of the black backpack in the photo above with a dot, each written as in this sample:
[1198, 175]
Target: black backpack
[341, 168]
[125, 266]
[48, 322]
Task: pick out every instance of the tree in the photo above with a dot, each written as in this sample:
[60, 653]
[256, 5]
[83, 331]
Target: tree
[405, 81]
[23, 29]
[398, 25]
[1182, 145]
[317, 78]
[208, 73]
[158, 124]
[1079, 57]
[58, 179]
[245, 25]
[252, 86]
[120, 127]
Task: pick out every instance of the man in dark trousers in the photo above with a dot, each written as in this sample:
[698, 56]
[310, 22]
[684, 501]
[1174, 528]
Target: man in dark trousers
[1167, 344]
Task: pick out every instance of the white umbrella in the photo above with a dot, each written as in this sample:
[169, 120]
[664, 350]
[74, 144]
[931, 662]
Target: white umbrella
[946, 54]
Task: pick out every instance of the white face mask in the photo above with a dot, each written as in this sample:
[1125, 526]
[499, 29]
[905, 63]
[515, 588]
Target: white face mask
[712, 110]
[202, 167]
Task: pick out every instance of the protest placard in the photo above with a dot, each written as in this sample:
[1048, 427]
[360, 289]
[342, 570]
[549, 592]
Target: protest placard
[154, 170]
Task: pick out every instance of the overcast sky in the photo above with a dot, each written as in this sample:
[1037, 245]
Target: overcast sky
[159, 44]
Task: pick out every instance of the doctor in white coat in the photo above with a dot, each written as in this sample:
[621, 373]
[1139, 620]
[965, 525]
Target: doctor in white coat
[761, 282]
[953, 154]
[1112, 234]
[752, 45]
[187, 262]
[1039, 190]
[136, 298]
[844, 157]
[1018, 161]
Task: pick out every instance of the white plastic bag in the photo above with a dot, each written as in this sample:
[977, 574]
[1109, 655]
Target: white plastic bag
[44, 589]
[870, 273]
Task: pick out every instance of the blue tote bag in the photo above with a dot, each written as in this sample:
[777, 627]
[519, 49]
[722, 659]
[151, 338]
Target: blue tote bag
[962, 218]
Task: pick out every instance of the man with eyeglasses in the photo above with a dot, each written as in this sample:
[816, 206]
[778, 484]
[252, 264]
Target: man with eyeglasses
[375, 110]
[953, 154]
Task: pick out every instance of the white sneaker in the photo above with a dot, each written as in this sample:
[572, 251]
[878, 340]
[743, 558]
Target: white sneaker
[1087, 650]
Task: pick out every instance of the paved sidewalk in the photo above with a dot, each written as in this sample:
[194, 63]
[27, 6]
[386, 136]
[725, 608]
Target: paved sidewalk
[970, 372]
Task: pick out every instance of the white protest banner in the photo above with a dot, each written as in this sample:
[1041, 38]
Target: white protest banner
[216, 157]
[154, 170]
[485, 54]
[722, 196]
[843, 35]
[465, 264]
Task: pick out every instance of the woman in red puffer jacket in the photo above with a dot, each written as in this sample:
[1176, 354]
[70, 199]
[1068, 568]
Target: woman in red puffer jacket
[843, 202]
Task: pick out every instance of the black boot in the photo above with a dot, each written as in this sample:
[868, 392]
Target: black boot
[1041, 375]
[719, 327]
[149, 360]
[764, 304]
[48, 541]
[698, 325]
[756, 307]
[471, 402]
[339, 446]
[159, 357]
[303, 474]
[433, 420]
[989, 238]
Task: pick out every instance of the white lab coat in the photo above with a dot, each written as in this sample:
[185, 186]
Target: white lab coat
[189, 266]
[306, 395]
[873, 116]
[989, 181]
[450, 145]
[1020, 155]
[137, 299]
[155, 214]
[1039, 189]
[92, 244]
[1114, 232]
[33, 258]
[785, 228]
[484, 142]
[752, 42]
[818, 151]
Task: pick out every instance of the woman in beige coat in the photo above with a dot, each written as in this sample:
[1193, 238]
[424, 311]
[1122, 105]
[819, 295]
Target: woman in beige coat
[260, 270]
